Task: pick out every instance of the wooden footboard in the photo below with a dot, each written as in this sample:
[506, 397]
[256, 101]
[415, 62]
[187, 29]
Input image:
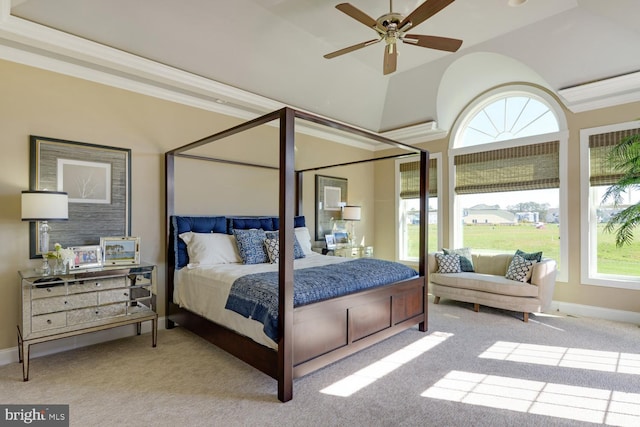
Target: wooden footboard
[324, 332]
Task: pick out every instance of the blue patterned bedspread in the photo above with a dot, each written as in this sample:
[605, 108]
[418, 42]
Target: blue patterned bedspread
[255, 296]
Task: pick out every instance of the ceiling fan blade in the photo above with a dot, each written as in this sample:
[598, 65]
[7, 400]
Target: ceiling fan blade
[433, 42]
[357, 14]
[423, 12]
[351, 48]
[390, 58]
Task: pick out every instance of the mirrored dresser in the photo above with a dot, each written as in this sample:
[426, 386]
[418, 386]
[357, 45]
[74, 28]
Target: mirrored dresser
[80, 302]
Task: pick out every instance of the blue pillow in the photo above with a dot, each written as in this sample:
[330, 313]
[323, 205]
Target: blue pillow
[251, 246]
[533, 256]
[297, 249]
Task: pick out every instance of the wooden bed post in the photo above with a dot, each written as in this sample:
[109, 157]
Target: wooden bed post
[285, 270]
[169, 206]
[424, 233]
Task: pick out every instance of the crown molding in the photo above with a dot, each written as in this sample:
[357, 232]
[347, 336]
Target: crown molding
[602, 93]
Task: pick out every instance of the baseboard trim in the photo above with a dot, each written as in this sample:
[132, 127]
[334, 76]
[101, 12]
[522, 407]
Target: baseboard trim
[597, 312]
[10, 355]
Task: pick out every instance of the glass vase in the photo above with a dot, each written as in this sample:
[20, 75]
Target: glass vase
[58, 266]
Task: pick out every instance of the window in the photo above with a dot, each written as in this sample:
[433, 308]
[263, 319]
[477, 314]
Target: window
[409, 207]
[603, 263]
[506, 170]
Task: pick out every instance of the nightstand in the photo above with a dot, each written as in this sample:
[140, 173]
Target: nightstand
[81, 302]
[354, 251]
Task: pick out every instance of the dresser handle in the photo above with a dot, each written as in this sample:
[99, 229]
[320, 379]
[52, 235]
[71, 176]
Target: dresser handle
[48, 289]
[49, 321]
[126, 294]
[98, 284]
[66, 302]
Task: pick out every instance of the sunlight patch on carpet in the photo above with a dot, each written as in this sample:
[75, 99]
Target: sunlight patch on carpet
[368, 375]
[537, 397]
[607, 361]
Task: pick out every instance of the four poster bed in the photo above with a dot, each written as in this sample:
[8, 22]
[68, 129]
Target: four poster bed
[283, 332]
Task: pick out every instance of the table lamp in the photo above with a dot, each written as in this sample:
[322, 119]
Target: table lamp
[44, 206]
[351, 213]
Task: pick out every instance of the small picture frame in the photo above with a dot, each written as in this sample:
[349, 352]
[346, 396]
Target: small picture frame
[341, 237]
[123, 250]
[331, 241]
[85, 257]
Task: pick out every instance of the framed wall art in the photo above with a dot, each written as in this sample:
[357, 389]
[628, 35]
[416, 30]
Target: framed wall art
[97, 179]
[120, 250]
[331, 195]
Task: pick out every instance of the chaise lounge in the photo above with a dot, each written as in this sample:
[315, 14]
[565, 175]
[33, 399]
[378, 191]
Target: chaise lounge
[488, 285]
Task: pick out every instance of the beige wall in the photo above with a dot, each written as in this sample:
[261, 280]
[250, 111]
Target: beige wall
[37, 102]
[573, 291]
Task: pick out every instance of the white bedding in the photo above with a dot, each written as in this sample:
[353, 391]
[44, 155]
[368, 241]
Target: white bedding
[203, 290]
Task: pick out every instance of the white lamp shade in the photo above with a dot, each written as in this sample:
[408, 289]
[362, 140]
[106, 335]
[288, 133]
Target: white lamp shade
[351, 213]
[45, 205]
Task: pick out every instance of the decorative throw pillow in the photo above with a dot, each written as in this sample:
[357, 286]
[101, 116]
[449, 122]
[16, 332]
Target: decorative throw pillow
[211, 248]
[448, 263]
[533, 256]
[520, 269]
[297, 249]
[273, 249]
[304, 238]
[251, 246]
[466, 261]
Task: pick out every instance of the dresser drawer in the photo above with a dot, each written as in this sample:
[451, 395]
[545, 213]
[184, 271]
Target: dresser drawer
[48, 292]
[63, 303]
[116, 295]
[85, 315]
[97, 284]
[48, 321]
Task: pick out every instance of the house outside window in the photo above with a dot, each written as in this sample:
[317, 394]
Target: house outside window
[409, 207]
[507, 167]
[604, 264]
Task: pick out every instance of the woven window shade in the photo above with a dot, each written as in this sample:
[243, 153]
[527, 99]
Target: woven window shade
[410, 179]
[529, 167]
[600, 171]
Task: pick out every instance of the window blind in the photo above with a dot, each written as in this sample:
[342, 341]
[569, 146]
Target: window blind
[528, 167]
[410, 179]
[600, 171]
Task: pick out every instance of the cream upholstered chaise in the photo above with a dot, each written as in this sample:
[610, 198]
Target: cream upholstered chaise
[488, 286]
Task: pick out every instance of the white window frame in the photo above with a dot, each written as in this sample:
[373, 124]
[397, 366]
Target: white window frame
[455, 229]
[438, 158]
[588, 230]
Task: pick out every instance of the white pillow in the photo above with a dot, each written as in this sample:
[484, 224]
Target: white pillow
[304, 238]
[211, 248]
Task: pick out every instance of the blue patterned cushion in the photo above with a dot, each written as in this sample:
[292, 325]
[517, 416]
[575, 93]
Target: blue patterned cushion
[466, 261]
[520, 269]
[533, 256]
[251, 246]
[297, 249]
[448, 263]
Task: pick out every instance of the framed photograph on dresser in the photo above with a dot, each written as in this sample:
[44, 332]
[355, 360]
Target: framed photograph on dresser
[120, 250]
[85, 257]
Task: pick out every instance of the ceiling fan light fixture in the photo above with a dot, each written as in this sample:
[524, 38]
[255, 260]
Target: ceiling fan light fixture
[391, 27]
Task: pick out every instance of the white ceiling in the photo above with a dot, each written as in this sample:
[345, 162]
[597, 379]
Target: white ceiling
[273, 49]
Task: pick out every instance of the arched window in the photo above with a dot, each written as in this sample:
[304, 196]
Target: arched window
[506, 168]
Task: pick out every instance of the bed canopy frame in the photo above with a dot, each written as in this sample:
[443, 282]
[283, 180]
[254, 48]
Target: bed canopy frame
[280, 364]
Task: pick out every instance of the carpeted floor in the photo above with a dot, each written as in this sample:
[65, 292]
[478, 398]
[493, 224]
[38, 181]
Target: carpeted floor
[470, 369]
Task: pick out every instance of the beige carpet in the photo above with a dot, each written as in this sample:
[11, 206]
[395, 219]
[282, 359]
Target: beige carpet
[444, 377]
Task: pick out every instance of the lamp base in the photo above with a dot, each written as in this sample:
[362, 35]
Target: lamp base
[45, 268]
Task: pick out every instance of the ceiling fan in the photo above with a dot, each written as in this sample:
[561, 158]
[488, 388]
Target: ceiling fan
[392, 27]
